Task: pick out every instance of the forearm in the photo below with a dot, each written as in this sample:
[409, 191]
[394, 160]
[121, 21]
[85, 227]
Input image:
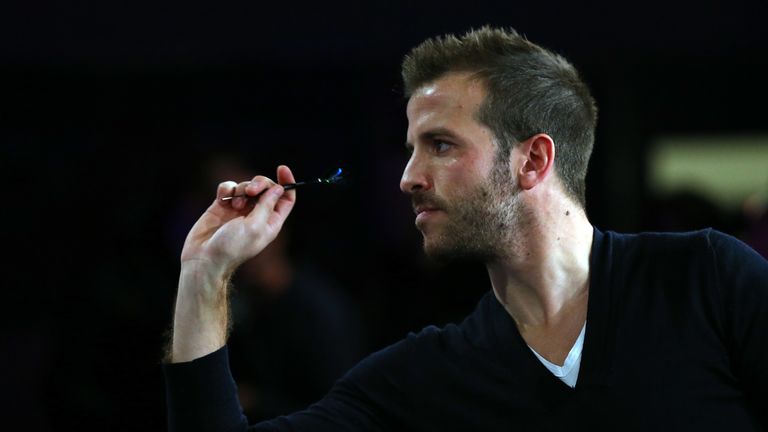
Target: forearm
[201, 318]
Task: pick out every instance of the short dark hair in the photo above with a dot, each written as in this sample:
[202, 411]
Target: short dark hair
[530, 90]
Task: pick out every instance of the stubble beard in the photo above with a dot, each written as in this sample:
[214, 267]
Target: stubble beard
[480, 225]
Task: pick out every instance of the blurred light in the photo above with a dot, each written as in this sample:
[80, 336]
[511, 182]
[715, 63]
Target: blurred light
[728, 170]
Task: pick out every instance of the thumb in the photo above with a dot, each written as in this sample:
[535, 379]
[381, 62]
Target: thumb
[284, 175]
[265, 206]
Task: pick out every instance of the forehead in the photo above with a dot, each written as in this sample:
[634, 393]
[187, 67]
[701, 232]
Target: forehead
[453, 98]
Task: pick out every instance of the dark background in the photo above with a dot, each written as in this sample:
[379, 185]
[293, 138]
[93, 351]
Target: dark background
[111, 114]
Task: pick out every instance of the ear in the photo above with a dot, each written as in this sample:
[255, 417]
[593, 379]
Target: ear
[538, 155]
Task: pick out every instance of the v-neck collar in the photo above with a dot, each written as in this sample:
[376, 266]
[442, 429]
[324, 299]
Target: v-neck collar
[499, 329]
[572, 359]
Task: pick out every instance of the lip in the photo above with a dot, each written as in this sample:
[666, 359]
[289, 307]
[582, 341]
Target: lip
[424, 213]
[421, 209]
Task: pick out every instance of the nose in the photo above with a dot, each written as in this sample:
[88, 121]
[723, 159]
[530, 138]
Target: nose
[414, 176]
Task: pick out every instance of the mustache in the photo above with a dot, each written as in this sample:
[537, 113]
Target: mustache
[427, 199]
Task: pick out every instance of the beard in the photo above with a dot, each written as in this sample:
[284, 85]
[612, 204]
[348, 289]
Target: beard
[479, 226]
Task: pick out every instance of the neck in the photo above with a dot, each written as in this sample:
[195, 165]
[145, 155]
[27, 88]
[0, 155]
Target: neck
[545, 276]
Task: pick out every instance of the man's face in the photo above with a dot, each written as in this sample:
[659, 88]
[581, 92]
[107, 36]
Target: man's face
[462, 191]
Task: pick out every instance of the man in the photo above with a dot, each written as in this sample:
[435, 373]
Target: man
[582, 328]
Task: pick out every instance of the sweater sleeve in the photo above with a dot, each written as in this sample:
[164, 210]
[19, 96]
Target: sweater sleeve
[202, 396]
[742, 275]
[372, 396]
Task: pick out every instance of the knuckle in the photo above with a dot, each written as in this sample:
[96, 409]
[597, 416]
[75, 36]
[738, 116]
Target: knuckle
[264, 180]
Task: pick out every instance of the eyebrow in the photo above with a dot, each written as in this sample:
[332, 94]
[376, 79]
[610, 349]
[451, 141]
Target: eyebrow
[432, 133]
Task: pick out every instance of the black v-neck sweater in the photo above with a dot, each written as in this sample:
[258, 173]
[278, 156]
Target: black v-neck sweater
[677, 339]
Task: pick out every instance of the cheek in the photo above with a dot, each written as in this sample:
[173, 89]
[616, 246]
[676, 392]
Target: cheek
[452, 173]
[458, 175]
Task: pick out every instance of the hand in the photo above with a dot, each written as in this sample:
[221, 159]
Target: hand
[227, 234]
[231, 232]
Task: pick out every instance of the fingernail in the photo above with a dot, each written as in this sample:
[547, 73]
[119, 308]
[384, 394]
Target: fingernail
[279, 190]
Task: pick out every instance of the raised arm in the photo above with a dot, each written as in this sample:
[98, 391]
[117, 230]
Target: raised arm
[227, 234]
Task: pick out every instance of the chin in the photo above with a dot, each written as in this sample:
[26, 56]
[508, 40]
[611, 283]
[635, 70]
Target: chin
[436, 250]
[447, 253]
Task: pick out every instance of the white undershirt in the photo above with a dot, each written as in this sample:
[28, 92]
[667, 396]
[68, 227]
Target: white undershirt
[569, 371]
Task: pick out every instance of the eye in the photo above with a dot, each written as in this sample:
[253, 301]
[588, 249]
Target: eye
[441, 146]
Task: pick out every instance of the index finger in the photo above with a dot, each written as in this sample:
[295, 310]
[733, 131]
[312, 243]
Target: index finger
[225, 189]
[288, 199]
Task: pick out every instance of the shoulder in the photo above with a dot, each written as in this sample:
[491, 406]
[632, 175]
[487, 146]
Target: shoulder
[415, 347]
[671, 248]
[665, 262]
[717, 248]
[727, 247]
[706, 257]
[676, 241]
[387, 379]
[736, 265]
[400, 362]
